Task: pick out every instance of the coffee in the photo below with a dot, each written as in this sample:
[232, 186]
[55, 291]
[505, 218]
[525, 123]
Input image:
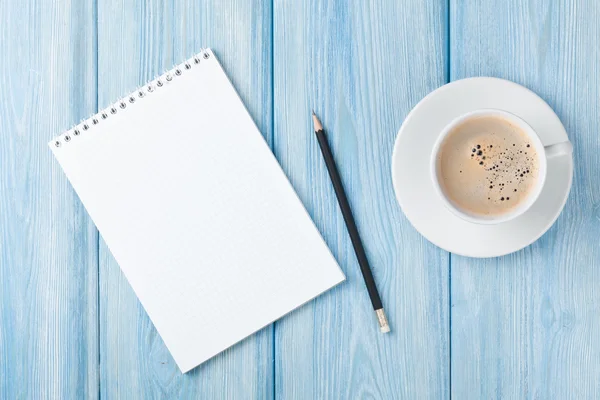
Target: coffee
[487, 166]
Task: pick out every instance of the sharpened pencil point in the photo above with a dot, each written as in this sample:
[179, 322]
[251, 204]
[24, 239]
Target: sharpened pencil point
[384, 326]
[316, 123]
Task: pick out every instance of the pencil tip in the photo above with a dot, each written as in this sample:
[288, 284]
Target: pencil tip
[316, 122]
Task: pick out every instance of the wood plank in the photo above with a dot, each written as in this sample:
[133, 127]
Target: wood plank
[526, 325]
[48, 245]
[138, 40]
[362, 67]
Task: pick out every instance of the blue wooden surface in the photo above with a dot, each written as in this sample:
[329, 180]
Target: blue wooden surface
[48, 246]
[342, 61]
[521, 326]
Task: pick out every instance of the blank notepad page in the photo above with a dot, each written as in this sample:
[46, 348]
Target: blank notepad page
[196, 210]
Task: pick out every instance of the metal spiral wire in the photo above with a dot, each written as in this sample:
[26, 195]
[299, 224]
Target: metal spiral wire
[140, 93]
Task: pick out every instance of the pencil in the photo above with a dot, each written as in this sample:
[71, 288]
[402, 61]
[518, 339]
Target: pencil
[365, 269]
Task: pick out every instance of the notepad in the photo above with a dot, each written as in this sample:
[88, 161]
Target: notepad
[196, 210]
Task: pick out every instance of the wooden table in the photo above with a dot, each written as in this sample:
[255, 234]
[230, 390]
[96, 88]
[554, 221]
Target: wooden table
[522, 326]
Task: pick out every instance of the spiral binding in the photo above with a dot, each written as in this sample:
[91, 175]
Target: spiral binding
[122, 104]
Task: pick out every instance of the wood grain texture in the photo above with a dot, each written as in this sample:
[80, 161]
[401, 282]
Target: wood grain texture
[523, 326]
[138, 40]
[527, 325]
[362, 66]
[48, 246]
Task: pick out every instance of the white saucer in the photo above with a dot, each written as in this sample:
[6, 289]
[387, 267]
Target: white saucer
[411, 163]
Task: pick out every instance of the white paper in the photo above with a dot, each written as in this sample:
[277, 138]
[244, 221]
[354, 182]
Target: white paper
[198, 213]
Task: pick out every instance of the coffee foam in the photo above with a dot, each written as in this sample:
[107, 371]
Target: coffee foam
[487, 166]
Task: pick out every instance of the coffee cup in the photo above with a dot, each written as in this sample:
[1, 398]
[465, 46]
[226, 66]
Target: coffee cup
[484, 184]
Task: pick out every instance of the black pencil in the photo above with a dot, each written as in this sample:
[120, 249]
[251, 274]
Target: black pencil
[351, 225]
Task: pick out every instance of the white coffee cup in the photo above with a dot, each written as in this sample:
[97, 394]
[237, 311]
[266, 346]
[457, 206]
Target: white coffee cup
[544, 153]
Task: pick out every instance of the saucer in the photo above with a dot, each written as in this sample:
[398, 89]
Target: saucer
[415, 191]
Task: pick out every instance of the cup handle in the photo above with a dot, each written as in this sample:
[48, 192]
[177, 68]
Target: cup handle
[558, 149]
